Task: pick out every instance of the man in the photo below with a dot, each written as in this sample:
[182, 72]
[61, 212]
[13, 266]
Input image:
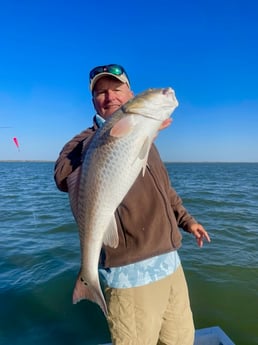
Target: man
[145, 288]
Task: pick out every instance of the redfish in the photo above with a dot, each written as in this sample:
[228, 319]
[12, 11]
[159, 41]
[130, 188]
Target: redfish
[115, 157]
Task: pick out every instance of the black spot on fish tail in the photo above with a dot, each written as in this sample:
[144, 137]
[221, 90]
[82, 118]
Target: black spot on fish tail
[83, 281]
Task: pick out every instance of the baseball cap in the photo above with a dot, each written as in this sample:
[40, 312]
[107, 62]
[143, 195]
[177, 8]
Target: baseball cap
[113, 70]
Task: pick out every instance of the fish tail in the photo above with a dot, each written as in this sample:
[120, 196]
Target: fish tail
[82, 290]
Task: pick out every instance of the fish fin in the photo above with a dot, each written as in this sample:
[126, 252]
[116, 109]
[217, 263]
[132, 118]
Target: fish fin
[143, 154]
[83, 290]
[111, 235]
[122, 127]
[73, 181]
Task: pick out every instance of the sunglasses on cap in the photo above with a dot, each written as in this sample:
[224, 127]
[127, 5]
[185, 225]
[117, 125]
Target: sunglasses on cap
[114, 69]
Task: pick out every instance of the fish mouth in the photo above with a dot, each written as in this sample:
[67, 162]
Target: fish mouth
[167, 91]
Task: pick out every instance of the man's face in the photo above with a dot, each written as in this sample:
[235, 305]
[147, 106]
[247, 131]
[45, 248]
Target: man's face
[109, 95]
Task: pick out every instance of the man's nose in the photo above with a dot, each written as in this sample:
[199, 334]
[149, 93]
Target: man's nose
[110, 95]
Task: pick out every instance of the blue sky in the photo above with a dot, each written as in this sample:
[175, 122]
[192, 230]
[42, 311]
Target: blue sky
[205, 50]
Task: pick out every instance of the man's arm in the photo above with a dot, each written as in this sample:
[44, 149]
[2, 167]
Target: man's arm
[70, 158]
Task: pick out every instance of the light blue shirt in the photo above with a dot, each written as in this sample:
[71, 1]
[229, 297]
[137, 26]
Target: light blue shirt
[99, 120]
[142, 272]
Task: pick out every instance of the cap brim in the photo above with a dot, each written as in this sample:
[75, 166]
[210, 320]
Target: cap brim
[121, 77]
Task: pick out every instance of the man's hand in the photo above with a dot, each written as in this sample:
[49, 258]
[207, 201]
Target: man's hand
[165, 123]
[200, 233]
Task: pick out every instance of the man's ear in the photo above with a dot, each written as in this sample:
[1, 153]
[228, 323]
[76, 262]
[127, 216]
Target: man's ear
[93, 101]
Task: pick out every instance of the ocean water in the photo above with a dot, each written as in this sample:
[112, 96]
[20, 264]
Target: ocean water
[39, 255]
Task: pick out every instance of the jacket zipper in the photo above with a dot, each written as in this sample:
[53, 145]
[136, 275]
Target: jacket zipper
[163, 198]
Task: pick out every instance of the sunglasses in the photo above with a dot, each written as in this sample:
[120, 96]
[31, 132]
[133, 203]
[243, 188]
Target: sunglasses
[113, 69]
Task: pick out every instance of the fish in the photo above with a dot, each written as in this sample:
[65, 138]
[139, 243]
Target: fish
[113, 160]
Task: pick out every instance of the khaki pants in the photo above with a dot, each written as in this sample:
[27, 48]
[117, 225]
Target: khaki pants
[157, 313]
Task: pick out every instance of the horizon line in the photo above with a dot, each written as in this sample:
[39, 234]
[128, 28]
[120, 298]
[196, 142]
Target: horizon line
[165, 162]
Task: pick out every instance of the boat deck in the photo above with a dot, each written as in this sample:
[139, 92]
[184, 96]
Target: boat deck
[212, 336]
